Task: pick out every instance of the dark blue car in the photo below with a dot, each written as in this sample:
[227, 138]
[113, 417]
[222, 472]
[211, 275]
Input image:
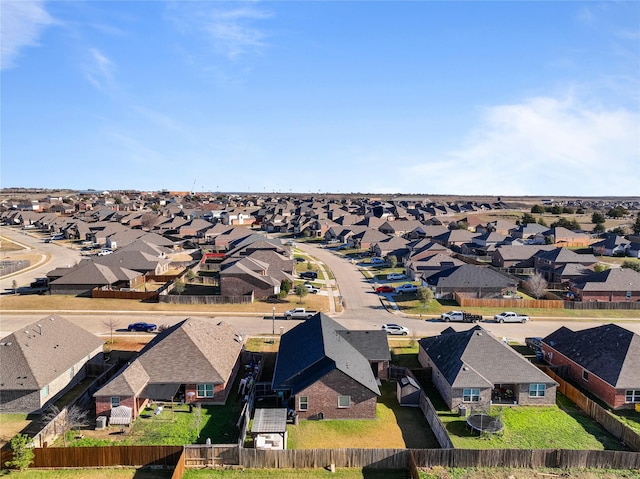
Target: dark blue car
[147, 327]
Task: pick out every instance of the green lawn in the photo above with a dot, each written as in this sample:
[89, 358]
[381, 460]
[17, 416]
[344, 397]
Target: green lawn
[394, 427]
[552, 427]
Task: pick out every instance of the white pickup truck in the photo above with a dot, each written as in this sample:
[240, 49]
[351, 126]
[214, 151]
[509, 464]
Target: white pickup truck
[510, 317]
[461, 316]
[299, 313]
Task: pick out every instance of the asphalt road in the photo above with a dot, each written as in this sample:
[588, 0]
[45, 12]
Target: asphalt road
[363, 307]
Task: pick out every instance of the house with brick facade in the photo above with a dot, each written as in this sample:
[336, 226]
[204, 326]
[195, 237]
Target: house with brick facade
[475, 369]
[604, 360]
[194, 361]
[615, 284]
[42, 361]
[326, 371]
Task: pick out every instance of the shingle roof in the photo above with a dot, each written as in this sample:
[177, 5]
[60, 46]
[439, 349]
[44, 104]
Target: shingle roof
[614, 279]
[608, 351]
[40, 352]
[468, 275]
[314, 348]
[475, 358]
[191, 351]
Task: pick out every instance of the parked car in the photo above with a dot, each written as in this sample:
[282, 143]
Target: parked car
[407, 288]
[309, 274]
[377, 260]
[300, 259]
[395, 329]
[510, 317]
[147, 327]
[461, 316]
[395, 276]
[104, 252]
[385, 289]
[312, 289]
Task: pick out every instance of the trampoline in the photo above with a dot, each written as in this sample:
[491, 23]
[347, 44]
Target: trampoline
[484, 423]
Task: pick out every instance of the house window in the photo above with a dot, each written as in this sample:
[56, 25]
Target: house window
[471, 395]
[537, 390]
[303, 403]
[205, 390]
[632, 395]
[44, 392]
[585, 375]
[115, 401]
[344, 401]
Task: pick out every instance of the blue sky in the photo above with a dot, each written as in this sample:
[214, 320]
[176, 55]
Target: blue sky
[497, 98]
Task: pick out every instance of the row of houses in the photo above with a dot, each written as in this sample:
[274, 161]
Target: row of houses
[322, 370]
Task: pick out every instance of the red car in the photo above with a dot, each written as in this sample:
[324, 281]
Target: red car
[385, 289]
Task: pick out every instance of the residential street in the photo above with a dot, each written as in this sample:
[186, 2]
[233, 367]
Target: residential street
[363, 307]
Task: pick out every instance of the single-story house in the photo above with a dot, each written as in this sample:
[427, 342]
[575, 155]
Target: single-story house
[604, 360]
[194, 361]
[615, 284]
[42, 361]
[325, 371]
[475, 369]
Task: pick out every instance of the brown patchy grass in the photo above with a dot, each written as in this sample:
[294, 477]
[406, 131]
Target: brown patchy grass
[120, 473]
[10, 425]
[57, 302]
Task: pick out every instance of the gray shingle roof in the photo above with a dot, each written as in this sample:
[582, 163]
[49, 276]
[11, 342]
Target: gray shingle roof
[40, 352]
[314, 348]
[610, 352]
[475, 358]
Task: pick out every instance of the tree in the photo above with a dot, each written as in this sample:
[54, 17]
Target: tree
[567, 210]
[536, 285]
[542, 222]
[309, 265]
[634, 265]
[73, 419]
[190, 275]
[537, 209]
[597, 218]
[619, 231]
[599, 228]
[636, 225]
[424, 295]
[527, 218]
[301, 291]
[580, 211]
[598, 268]
[392, 260]
[148, 220]
[566, 223]
[556, 209]
[617, 212]
[111, 323]
[285, 286]
[179, 286]
[22, 452]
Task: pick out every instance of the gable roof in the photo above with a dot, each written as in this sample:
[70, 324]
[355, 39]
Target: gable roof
[191, 351]
[614, 279]
[608, 351]
[314, 348]
[468, 275]
[476, 358]
[37, 354]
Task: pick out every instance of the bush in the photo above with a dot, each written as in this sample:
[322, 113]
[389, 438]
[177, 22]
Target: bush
[22, 453]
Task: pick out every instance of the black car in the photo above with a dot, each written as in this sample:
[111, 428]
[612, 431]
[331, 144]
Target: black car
[148, 327]
[309, 274]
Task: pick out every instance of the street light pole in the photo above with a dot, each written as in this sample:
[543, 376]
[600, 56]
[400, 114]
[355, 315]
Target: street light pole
[273, 321]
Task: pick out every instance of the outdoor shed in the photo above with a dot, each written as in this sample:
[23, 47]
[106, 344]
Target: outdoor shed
[408, 391]
[269, 429]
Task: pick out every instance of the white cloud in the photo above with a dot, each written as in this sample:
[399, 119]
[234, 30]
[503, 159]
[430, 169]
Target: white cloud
[229, 26]
[543, 145]
[21, 24]
[99, 70]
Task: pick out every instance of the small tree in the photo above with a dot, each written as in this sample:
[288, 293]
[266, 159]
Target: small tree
[599, 228]
[536, 285]
[600, 267]
[111, 323]
[424, 295]
[309, 265]
[542, 222]
[285, 286]
[392, 260]
[148, 220]
[190, 275]
[22, 453]
[597, 218]
[537, 209]
[74, 419]
[301, 291]
[527, 218]
[179, 286]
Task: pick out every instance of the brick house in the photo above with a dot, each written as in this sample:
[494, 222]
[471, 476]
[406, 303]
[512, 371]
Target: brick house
[475, 369]
[39, 363]
[602, 360]
[193, 361]
[325, 371]
[615, 284]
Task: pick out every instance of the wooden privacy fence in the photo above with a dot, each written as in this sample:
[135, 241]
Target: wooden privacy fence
[120, 294]
[434, 421]
[605, 305]
[83, 457]
[608, 421]
[400, 458]
[465, 302]
[199, 455]
[202, 299]
[178, 472]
